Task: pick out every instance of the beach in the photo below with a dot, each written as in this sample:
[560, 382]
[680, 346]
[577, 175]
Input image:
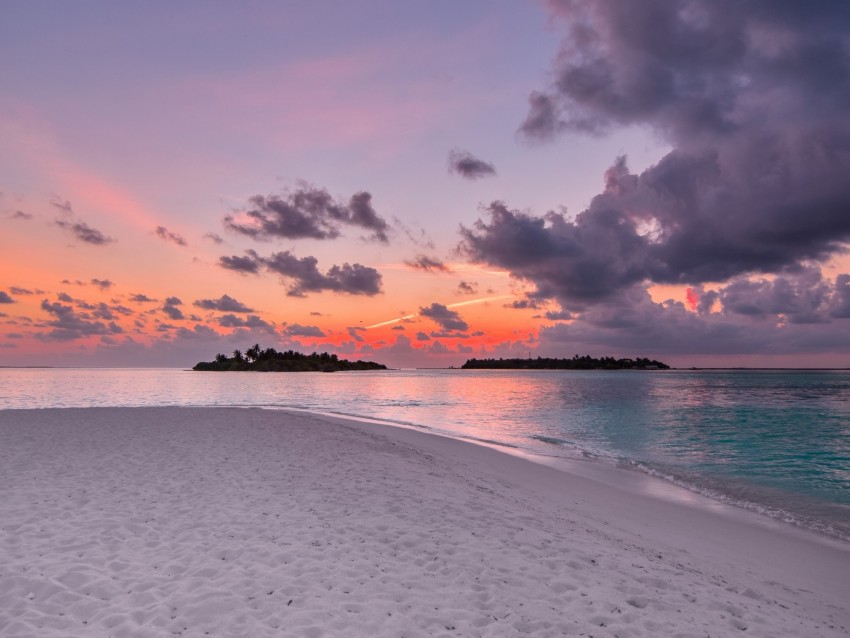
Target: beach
[250, 522]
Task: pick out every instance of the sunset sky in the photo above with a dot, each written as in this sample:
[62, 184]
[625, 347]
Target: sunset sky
[421, 182]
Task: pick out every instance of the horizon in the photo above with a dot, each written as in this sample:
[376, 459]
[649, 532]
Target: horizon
[422, 184]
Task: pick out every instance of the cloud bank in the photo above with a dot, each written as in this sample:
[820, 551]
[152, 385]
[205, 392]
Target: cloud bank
[753, 97]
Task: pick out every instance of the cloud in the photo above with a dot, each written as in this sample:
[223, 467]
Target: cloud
[84, 232]
[354, 333]
[141, 298]
[250, 264]
[251, 321]
[225, 303]
[15, 290]
[466, 165]
[5, 298]
[297, 330]
[103, 284]
[170, 308]
[428, 264]
[19, 214]
[166, 235]
[306, 212]
[803, 297]
[793, 314]
[467, 288]
[214, 238]
[448, 320]
[751, 96]
[69, 325]
[353, 279]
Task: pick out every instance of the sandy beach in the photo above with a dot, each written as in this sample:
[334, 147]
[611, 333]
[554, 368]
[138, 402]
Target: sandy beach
[147, 522]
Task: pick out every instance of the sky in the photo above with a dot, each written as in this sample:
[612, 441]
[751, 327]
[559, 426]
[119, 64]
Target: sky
[418, 183]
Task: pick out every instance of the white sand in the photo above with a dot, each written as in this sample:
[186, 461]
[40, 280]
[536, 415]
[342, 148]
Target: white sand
[233, 522]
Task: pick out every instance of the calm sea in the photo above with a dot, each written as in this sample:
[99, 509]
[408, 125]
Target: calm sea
[774, 441]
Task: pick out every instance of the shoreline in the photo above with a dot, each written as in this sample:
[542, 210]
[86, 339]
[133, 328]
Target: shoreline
[238, 521]
[653, 479]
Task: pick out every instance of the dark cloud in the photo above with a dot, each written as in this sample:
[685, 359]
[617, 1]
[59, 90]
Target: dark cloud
[214, 238]
[251, 321]
[841, 298]
[428, 264]
[225, 303]
[5, 298]
[542, 122]
[141, 298]
[362, 214]
[103, 284]
[297, 330]
[422, 336]
[752, 96]
[448, 320]
[306, 212]
[102, 311]
[466, 165]
[467, 287]
[353, 279]
[69, 325]
[803, 297]
[64, 296]
[523, 304]
[249, 264]
[84, 232]
[448, 335]
[163, 233]
[170, 308]
[15, 290]
[791, 314]
[354, 333]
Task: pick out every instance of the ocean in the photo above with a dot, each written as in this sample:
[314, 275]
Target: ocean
[777, 442]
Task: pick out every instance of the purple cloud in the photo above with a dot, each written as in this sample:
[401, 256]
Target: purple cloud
[466, 165]
[306, 212]
[225, 303]
[166, 235]
[428, 264]
[448, 320]
[353, 279]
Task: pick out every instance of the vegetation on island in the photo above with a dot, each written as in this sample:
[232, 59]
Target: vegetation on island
[576, 363]
[270, 360]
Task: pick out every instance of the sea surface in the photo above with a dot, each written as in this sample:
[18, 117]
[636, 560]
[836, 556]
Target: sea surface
[777, 442]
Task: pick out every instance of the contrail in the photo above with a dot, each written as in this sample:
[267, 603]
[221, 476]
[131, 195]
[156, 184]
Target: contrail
[453, 305]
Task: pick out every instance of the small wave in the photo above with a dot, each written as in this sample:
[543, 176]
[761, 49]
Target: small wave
[549, 439]
[490, 442]
[771, 511]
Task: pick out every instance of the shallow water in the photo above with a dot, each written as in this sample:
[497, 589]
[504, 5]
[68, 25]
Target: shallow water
[774, 441]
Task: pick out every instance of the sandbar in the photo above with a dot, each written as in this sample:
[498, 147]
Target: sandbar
[148, 522]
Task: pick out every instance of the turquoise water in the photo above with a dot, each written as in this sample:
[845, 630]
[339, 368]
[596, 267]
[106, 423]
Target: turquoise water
[774, 441]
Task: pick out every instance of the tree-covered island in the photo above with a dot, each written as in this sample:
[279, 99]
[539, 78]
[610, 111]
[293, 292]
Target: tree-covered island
[576, 363]
[270, 360]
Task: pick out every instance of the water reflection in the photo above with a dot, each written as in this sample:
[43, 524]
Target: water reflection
[738, 431]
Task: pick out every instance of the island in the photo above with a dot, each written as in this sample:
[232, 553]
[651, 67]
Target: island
[576, 363]
[258, 359]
